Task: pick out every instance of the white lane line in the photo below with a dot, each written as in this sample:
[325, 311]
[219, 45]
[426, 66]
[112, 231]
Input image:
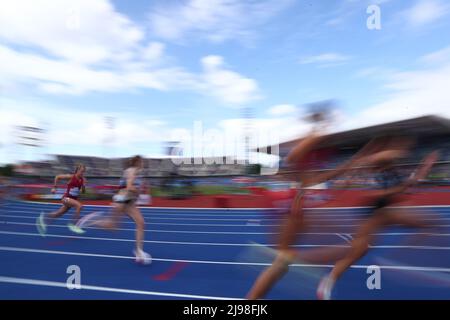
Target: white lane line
[221, 243]
[83, 254]
[155, 208]
[185, 217]
[314, 216]
[408, 233]
[188, 214]
[342, 237]
[109, 289]
[146, 241]
[260, 217]
[158, 214]
[180, 218]
[16, 249]
[169, 224]
[154, 223]
[226, 209]
[238, 233]
[365, 217]
[170, 214]
[253, 222]
[238, 209]
[328, 225]
[347, 237]
[147, 230]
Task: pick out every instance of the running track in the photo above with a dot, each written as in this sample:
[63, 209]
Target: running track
[210, 254]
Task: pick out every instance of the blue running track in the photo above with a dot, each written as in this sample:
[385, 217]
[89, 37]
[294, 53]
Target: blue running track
[210, 254]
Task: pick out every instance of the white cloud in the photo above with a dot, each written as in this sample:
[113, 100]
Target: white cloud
[425, 11]
[440, 56]
[374, 73]
[283, 109]
[265, 131]
[413, 93]
[93, 132]
[87, 133]
[84, 131]
[229, 86]
[63, 77]
[66, 47]
[213, 20]
[325, 59]
[153, 51]
[84, 31]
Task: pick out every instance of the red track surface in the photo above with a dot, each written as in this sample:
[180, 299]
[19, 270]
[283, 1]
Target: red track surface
[339, 198]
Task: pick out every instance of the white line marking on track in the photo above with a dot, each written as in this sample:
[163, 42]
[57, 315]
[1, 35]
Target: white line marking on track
[222, 243]
[343, 237]
[246, 209]
[181, 217]
[146, 241]
[329, 225]
[154, 223]
[353, 217]
[37, 204]
[222, 211]
[236, 233]
[157, 208]
[16, 249]
[212, 214]
[109, 289]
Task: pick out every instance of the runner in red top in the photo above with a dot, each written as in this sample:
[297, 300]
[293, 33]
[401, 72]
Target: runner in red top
[76, 184]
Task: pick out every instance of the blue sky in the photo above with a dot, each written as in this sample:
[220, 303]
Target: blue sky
[158, 67]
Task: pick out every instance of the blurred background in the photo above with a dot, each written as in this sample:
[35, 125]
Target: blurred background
[167, 178]
[214, 93]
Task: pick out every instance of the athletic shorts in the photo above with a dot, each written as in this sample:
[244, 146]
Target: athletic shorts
[66, 197]
[383, 202]
[125, 198]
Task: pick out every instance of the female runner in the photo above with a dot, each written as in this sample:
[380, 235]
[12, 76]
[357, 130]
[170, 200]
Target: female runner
[391, 186]
[77, 183]
[125, 203]
[295, 222]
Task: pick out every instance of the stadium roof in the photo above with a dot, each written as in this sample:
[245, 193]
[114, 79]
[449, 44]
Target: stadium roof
[422, 126]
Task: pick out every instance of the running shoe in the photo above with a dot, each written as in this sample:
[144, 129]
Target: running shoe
[142, 257]
[75, 229]
[40, 224]
[325, 288]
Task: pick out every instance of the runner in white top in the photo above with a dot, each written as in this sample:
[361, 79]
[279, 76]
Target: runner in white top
[125, 203]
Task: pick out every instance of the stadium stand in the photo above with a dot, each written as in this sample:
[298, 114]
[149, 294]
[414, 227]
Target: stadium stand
[431, 133]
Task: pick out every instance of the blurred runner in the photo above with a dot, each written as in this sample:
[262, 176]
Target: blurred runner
[69, 200]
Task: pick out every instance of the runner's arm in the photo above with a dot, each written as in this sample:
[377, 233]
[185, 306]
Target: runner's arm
[60, 177]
